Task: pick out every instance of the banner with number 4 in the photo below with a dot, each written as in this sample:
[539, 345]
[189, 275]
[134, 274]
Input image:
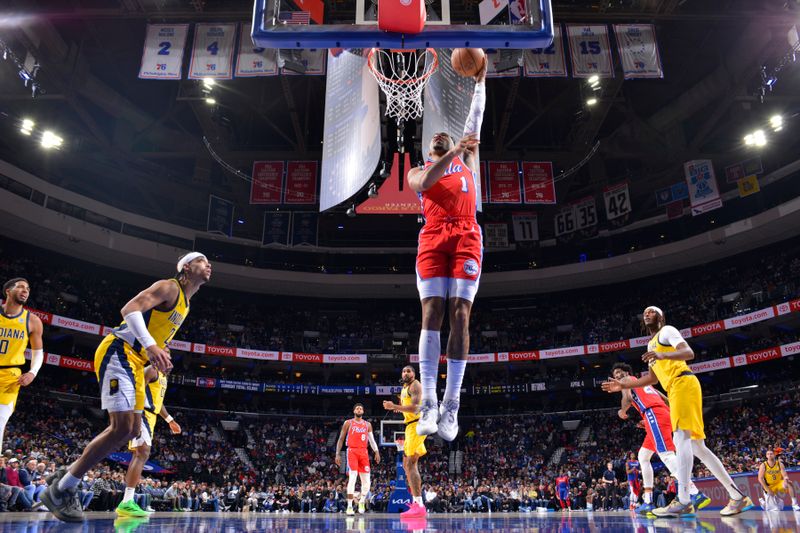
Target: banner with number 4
[162, 57]
[618, 201]
[212, 53]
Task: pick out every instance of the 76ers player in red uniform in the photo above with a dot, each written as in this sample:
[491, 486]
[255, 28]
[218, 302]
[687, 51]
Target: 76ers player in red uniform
[657, 424]
[449, 262]
[359, 433]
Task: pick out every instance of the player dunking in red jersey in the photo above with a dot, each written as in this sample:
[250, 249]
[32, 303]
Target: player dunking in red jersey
[358, 433]
[657, 424]
[449, 262]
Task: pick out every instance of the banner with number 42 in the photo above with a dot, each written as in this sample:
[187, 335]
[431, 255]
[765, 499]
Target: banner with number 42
[617, 199]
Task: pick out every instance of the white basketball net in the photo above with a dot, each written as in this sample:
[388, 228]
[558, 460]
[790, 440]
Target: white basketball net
[402, 76]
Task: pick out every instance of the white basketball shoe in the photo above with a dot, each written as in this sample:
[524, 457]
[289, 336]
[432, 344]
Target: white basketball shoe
[429, 417]
[448, 420]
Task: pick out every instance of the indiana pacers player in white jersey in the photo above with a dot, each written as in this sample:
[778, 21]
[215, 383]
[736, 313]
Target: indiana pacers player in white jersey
[667, 353]
[140, 446]
[18, 328]
[151, 320]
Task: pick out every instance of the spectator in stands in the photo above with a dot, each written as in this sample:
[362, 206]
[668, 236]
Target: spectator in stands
[13, 479]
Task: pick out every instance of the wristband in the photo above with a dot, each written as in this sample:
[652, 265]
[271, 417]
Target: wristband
[169, 419]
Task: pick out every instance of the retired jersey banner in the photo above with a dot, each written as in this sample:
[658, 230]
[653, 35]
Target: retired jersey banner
[702, 184]
[504, 182]
[267, 182]
[220, 216]
[495, 235]
[618, 200]
[537, 181]
[301, 182]
[503, 63]
[276, 227]
[585, 213]
[590, 51]
[313, 61]
[212, 53]
[252, 61]
[526, 227]
[547, 62]
[304, 228]
[638, 50]
[162, 57]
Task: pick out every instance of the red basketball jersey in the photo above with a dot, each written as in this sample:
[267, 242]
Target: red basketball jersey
[454, 195]
[357, 434]
[646, 398]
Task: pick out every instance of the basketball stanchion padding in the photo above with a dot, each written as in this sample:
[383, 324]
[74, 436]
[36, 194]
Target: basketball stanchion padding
[402, 16]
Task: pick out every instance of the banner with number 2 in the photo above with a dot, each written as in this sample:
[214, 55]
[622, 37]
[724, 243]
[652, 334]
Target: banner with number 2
[162, 57]
[212, 53]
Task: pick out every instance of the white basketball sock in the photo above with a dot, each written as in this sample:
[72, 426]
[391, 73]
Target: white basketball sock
[68, 481]
[647, 467]
[129, 492]
[670, 460]
[455, 376]
[716, 467]
[683, 449]
[418, 499]
[430, 349]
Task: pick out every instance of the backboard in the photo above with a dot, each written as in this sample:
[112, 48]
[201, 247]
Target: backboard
[516, 24]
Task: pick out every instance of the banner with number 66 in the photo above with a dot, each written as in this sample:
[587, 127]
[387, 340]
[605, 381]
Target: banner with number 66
[162, 56]
[212, 53]
[617, 200]
[581, 214]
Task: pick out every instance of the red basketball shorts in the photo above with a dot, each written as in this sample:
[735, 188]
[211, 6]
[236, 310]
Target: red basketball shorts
[358, 460]
[449, 250]
[658, 426]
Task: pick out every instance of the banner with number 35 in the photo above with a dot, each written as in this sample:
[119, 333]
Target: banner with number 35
[212, 53]
[162, 57]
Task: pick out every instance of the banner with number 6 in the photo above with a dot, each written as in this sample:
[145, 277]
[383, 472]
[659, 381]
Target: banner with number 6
[590, 51]
[618, 200]
[162, 56]
[212, 52]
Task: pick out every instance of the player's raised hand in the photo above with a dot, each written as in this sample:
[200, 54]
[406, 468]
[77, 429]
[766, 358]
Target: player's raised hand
[389, 405]
[612, 385]
[466, 142]
[622, 414]
[159, 358]
[481, 75]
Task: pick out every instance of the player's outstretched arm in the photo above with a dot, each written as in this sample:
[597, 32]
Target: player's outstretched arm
[174, 427]
[615, 385]
[475, 116]
[37, 350]
[339, 443]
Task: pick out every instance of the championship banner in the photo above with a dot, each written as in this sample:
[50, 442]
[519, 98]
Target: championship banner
[526, 227]
[267, 182]
[638, 51]
[276, 228]
[547, 62]
[162, 57]
[702, 184]
[495, 235]
[304, 228]
[301, 182]
[220, 216]
[590, 51]
[252, 61]
[748, 186]
[504, 182]
[618, 200]
[313, 60]
[537, 182]
[212, 52]
[501, 59]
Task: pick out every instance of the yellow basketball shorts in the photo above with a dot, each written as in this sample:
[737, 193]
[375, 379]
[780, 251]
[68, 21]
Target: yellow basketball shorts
[9, 386]
[686, 406]
[415, 444]
[147, 431]
[120, 373]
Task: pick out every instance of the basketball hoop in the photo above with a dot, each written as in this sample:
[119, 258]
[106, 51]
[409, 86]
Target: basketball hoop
[402, 75]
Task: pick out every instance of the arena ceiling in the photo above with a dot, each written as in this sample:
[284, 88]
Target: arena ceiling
[137, 144]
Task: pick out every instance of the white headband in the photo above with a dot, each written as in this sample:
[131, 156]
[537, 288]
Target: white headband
[654, 308]
[188, 258]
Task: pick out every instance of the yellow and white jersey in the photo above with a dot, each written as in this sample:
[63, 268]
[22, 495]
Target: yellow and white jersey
[405, 399]
[667, 370]
[773, 476]
[162, 325]
[154, 394]
[14, 331]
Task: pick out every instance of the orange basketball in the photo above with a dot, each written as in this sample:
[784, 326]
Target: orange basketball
[467, 62]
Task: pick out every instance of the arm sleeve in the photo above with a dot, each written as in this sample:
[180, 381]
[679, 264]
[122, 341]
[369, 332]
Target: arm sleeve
[475, 117]
[37, 358]
[372, 443]
[669, 336]
[135, 321]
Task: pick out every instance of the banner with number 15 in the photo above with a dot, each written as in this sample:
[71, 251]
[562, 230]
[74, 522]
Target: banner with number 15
[162, 57]
[212, 53]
